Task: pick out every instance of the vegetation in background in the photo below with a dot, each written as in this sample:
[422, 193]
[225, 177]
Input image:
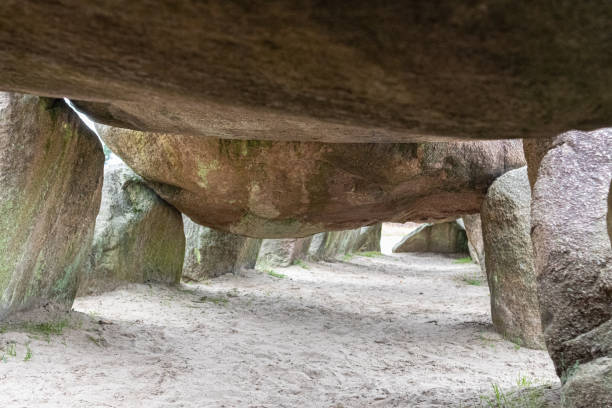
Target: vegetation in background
[467, 259]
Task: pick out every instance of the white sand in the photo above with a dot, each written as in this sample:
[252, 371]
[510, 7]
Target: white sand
[392, 331]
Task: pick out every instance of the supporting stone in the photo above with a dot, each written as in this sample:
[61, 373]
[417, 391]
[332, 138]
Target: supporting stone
[509, 259]
[51, 169]
[138, 237]
[331, 245]
[444, 237]
[368, 239]
[210, 253]
[282, 252]
[473, 230]
[573, 261]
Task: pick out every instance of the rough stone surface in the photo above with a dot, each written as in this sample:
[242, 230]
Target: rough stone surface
[573, 257]
[590, 385]
[509, 259]
[328, 246]
[51, 171]
[291, 189]
[610, 213]
[444, 237]
[368, 239]
[320, 71]
[210, 253]
[138, 237]
[535, 150]
[473, 230]
[282, 252]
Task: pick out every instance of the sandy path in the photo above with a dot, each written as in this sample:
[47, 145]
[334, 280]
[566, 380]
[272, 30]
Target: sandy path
[391, 331]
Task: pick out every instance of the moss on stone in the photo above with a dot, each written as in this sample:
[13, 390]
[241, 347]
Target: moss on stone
[204, 169]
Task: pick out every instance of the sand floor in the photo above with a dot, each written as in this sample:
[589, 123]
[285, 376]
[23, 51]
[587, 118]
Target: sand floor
[387, 331]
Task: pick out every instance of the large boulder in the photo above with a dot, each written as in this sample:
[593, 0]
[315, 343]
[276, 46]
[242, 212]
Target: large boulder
[138, 237]
[330, 245]
[473, 230]
[377, 71]
[210, 253]
[509, 259]
[589, 385]
[443, 237]
[282, 252]
[368, 239]
[51, 170]
[573, 257]
[292, 189]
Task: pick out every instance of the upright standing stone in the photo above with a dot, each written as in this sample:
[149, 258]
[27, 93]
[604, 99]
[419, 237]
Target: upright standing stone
[444, 237]
[138, 236]
[573, 260]
[330, 245]
[473, 230]
[282, 252]
[509, 261]
[368, 239]
[51, 168]
[210, 253]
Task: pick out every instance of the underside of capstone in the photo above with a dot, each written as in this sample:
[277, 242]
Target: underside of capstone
[371, 71]
[268, 189]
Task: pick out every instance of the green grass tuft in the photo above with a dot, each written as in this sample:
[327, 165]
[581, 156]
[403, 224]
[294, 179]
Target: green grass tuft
[524, 395]
[369, 254]
[301, 264]
[348, 257]
[465, 260]
[276, 275]
[47, 329]
[28, 355]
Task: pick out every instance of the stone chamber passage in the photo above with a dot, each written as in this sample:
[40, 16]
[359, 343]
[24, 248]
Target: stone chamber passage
[305, 204]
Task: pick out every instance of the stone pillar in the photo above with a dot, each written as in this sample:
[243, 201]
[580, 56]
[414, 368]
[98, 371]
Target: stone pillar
[51, 170]
[138, 237]
[573, 261]
[282, 252]
[473, 230]
[210, 253]
[509, 261]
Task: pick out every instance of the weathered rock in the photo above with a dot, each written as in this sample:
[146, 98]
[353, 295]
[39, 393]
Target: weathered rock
[210, 253]
[292, 189]
[51, 171]
[443, 237]
[330, 245]
[509, 259]
[590, 385]
[573, 257]
[473, 230]
[282, 252]
[377, 71]
[610, 213]
[138, 237]
[368, 239]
